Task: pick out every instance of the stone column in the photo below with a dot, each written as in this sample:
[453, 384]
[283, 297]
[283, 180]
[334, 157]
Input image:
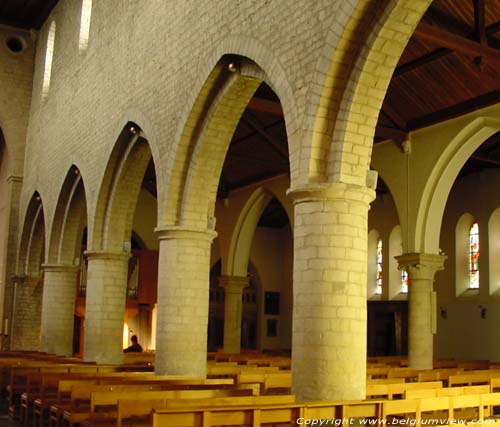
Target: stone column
[105, 306]
[233, 305]
[58, 307]
[329, 292]
[421, 269]
[183, 293]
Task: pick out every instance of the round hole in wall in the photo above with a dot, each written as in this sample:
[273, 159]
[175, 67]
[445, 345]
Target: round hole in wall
[15, 44]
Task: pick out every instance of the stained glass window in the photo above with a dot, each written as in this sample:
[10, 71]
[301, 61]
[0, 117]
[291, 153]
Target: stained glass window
[474, 256]
[378, 289]
[404, 282]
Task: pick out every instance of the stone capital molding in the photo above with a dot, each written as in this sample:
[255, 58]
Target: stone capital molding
[332, 191]
[234, 284]
[421, 264]
[112, 256]
[63, 268]
[179, 232]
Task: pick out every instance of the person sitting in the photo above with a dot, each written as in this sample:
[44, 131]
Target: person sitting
[135, 347]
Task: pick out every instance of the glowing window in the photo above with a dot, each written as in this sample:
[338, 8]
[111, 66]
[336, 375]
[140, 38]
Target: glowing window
[378, 289]
[85, 24]
[404, 282]
[49, 52]
[474, 256]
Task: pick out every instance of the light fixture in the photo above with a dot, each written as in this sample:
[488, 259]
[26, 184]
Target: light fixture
[232, 67]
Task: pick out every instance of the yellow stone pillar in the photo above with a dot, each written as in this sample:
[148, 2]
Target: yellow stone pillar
[107, 274]
[58, 308]
[233, 307]
[183, 294]
[421, 269]
[329, 292]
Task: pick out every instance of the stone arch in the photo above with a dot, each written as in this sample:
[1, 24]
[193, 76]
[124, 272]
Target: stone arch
[32, 246]
[69, 221]
[114, 213]
[216, 104]
[442, 177]
[360, 68]
[27, 298]
[494, 251]
[241, 240]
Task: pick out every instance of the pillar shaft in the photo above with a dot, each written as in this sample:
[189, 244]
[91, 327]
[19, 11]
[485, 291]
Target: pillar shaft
[329, 308]
[421, 269]
[58, 307]
[105, 306]
[183, 293]
[233, 308]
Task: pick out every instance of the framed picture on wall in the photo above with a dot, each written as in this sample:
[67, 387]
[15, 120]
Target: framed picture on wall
[272, 303]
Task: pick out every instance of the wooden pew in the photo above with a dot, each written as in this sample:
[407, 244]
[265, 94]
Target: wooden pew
[103, 404]
[139, 410]
[269, 381]
[388, 391]
[81, 390]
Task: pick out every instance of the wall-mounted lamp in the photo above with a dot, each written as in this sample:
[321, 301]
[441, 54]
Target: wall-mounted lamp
[484, 311]
[232, 67]
[443, 312]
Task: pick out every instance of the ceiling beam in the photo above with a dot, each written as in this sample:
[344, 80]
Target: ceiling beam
[393, 116]
[265, 106]
[385, 132]
[486, 160]
[276, 144]
[458, 43]
[455, 110]
[479, 22]
[437, 54]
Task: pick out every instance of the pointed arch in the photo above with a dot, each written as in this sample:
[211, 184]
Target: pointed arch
[119, 191]
[359, 66]
[442, 177]
[29, 280]
[206, 135]
[32, 246]
[69, 221]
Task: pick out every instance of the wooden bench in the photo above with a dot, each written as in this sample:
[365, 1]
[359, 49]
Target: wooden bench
[139, 410]
[103, 404]
[388, 391]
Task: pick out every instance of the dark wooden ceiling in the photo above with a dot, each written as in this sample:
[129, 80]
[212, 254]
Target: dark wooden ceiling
[26, 14]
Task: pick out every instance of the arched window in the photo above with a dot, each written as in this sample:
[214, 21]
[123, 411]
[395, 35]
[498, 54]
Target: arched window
[404, 282]
[474, 256]
[85, 24]
[371, 282]
[466, 256]
[378, 289]
[49, 52]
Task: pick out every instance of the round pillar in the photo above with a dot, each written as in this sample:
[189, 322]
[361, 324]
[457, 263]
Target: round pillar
[107, 274]
[421, 269]
[183, 294]
[58, 307]
[233, 306]
[329, 292]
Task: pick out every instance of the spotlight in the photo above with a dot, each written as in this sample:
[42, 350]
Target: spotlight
[232, 67]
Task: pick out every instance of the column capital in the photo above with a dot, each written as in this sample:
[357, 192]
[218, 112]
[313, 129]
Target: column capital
[180, 232]
[60, 268]
[421, 264]
[115, 256]
[233, 283]
[332, 191]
